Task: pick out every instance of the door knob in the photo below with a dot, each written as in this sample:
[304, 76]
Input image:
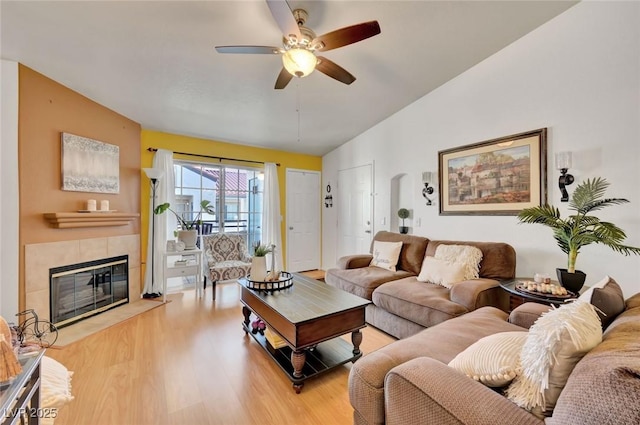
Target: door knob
[367, 231]
[290, 228]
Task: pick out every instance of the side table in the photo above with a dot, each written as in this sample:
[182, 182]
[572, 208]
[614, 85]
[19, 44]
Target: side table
[517, 297]
[182, 270]
[20, 399]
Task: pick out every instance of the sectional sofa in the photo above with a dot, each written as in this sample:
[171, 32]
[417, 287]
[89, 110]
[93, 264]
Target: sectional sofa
[411, 381]
[401, 304]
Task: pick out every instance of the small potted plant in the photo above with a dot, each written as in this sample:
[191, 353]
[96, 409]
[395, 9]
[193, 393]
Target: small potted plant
[188, 233]
[403, 213]
[580, 229]
[259, 262]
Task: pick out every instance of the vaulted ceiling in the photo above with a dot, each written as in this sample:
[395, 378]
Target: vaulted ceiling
[155, 62]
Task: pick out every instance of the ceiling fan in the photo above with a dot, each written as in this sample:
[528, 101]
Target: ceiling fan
[300, 44]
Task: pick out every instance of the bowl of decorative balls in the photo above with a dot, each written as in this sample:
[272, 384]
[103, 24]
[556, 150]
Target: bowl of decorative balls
[547, 290]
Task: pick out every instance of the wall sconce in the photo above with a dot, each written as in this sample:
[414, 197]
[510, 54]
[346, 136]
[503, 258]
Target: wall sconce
[563, 163]
[427, 177]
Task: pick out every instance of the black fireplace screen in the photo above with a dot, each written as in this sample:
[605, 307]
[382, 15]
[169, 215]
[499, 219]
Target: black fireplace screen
[82, 290]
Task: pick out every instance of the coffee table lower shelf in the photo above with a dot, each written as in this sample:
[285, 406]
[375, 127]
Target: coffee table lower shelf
[324, 357]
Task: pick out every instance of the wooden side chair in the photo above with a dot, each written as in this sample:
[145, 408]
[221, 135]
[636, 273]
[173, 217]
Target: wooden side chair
[225, 258]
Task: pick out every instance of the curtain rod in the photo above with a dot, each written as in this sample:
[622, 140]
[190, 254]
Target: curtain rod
[221, 158]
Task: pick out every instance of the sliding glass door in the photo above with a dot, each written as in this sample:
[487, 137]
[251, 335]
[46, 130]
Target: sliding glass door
[235, 192]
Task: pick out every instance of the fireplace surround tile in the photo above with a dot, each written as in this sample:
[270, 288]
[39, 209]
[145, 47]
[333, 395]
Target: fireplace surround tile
[90, 249]
[122, 245]
[39, 258]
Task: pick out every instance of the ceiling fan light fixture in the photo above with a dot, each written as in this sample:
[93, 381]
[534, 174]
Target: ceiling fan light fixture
[299, 62]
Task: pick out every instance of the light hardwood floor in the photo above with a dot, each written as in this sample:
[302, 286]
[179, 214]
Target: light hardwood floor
[189, 362]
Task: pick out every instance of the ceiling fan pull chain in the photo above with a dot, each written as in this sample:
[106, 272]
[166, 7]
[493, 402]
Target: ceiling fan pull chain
[298, 107]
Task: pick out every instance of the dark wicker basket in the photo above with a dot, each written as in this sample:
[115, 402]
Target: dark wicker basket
[286, 280]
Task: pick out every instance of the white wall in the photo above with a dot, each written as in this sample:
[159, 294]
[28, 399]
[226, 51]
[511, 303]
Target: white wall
[579, 76]
[9, 189]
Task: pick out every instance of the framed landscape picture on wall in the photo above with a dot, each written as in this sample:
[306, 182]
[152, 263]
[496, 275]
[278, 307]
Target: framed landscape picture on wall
[495, 177]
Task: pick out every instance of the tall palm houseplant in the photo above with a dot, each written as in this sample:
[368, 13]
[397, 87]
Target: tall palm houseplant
[581, 228]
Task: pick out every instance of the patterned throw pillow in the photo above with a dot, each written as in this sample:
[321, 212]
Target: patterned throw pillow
[493, 360]
[555, 343]
[468, 255]
[386, 254]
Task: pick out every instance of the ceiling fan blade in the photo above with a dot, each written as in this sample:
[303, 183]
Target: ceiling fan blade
[284, 18]
[345, 36]
[334, 70]
[283, 79]
[264, 50]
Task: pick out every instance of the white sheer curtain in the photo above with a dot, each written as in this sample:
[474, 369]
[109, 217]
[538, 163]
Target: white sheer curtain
[271, 233]
[164, 223]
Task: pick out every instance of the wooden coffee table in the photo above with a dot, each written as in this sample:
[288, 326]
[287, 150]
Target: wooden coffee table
[310, 316]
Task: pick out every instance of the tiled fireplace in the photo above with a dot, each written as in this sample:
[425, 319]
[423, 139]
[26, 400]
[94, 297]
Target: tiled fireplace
[82, 290]
[40, 258]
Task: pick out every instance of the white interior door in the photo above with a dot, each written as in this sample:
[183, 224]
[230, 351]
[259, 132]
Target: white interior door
[303, 220]
[354, 210]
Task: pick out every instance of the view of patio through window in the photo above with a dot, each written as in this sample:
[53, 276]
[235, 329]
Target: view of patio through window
[236, 194]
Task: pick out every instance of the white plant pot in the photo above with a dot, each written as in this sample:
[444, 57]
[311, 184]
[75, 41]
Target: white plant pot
[188, 237]
[258, 269]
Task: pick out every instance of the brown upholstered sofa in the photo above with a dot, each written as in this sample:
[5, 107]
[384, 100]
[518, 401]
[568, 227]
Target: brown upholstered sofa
[409, 381]
[402, 305]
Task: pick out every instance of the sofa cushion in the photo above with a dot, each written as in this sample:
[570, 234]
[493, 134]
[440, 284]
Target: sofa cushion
[441, 272]
[556, 342]
[362, 281]
[385, 254]
[607, 379]
[420, 302]
[606, 295]
[493, 360]
[498, 259]
[412, 252]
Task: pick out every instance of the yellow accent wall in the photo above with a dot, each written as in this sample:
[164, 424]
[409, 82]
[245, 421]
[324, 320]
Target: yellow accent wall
[174, 142]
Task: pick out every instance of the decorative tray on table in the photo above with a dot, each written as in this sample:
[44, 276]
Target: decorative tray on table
[285, 281]
[546, 290]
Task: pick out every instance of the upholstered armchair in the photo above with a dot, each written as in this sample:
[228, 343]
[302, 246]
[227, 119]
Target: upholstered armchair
[225, 258]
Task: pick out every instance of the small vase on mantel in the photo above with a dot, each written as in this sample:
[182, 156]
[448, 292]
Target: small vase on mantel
[258, 269]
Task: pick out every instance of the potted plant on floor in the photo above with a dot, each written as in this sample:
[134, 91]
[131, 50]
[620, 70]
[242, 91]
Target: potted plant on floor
[581, 228]
[403, 213]
[188, 232]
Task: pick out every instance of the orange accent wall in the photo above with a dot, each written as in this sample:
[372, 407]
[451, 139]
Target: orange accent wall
[46, 109]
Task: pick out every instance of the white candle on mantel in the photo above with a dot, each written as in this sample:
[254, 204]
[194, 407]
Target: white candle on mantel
[104, 205]
[91, 205]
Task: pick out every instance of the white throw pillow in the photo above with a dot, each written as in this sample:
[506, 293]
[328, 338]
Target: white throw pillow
[468, 255]
[441, 272]
[556, 342]
[55, 388]
[493, 360]
[385, 254]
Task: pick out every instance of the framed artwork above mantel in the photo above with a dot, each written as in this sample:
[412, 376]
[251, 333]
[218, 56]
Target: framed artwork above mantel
[89, 165]
[495, 177]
